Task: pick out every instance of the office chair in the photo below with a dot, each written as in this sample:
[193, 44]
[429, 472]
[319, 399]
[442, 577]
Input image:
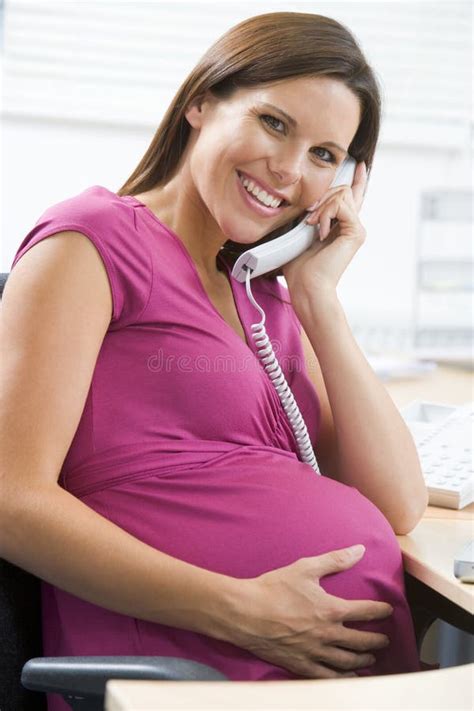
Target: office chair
[80, 680]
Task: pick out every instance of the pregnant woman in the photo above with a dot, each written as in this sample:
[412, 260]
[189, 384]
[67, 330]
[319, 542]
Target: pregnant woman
[150, 476]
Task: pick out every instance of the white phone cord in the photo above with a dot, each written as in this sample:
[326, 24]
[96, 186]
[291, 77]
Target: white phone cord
[266, 354]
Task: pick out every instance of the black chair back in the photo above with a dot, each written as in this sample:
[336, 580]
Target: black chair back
[20, 636]
[3, 281]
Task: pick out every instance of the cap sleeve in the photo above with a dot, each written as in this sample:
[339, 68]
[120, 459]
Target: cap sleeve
[109, 223]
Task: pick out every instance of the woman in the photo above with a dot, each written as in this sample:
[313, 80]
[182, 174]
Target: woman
[161, 498]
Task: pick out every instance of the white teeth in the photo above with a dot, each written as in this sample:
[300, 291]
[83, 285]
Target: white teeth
[261, 195]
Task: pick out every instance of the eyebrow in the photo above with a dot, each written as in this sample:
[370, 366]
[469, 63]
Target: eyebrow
[293, 123]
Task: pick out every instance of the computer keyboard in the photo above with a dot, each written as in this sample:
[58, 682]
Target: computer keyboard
[444, 436]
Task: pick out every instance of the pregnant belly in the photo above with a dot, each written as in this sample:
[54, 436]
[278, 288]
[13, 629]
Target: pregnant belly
[245, 515]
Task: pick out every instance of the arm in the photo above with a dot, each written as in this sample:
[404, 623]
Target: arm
[364, 441]
[61, 285]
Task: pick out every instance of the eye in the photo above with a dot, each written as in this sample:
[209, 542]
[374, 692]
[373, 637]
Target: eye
[324, 154]
[273, 123]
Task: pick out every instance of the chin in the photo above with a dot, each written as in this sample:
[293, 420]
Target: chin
[241, 235]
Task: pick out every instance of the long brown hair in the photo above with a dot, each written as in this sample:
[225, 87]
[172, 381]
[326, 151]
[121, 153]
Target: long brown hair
[263, 49]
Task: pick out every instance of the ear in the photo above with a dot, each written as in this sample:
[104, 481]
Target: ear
[194, 112]
[197, 108]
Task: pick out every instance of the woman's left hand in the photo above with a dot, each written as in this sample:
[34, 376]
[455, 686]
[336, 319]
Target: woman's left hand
[321, 266]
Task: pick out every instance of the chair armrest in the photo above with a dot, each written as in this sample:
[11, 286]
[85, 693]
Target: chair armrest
[85, 677]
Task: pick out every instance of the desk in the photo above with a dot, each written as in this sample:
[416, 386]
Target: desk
[429, 550]
[449, 385]
[445, 689]
[428, 553]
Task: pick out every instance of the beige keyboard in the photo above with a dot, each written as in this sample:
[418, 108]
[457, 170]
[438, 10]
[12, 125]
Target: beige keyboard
[444, 436]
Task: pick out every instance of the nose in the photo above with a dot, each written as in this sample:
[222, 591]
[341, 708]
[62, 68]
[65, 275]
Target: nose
[286, 165]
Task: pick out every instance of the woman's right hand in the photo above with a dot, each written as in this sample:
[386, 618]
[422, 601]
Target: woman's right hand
[290, 621]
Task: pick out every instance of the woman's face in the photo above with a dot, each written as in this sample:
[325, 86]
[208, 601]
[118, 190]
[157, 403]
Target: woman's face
[286, 138]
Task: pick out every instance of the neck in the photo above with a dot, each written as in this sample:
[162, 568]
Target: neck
[183, 212]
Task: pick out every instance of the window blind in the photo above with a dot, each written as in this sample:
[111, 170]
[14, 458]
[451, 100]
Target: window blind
[120, 63]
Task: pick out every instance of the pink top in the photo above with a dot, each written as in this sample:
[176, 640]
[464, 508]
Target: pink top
[166, 347]
[183, 443]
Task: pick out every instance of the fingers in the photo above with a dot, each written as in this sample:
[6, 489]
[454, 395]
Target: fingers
[324, 226]
[353, 195]
[341, 652]
[338, 204]
[312, 639]
[335, 561]
[360, 641]
[346, 660]
[334, 661]
[365, 611]
[316, 210]
[322, 672]
[319, 671]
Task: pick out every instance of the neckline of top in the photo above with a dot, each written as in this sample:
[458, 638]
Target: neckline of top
[235, 291]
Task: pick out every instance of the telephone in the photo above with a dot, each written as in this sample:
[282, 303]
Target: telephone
[260, 260]
[273, 254]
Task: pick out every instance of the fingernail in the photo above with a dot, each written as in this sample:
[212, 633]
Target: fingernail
[313, 207]
[357, 550]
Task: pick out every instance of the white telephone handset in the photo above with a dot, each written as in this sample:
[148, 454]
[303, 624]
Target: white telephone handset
[271, 255]
[261, 260]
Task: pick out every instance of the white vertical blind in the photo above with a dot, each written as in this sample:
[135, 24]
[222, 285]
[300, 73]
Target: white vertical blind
[121, 62]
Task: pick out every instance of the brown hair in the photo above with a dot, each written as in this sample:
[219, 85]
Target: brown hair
[263, 49]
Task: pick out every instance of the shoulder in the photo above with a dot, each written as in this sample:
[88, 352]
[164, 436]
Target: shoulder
[105, 218]
[96, 207]
[108, 221]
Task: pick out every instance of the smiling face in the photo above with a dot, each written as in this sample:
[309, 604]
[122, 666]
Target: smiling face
[262, 157]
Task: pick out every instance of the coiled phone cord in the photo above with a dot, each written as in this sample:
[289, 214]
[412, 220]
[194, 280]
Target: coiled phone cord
[267, 355]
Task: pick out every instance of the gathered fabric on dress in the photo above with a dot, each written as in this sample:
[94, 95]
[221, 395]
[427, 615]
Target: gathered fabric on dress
[183, 443]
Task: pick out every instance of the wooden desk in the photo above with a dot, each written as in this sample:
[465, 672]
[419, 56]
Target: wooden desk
[428, 554]
[453, 386]
[445, 689]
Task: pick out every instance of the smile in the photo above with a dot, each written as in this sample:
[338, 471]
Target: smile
[260, 195]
